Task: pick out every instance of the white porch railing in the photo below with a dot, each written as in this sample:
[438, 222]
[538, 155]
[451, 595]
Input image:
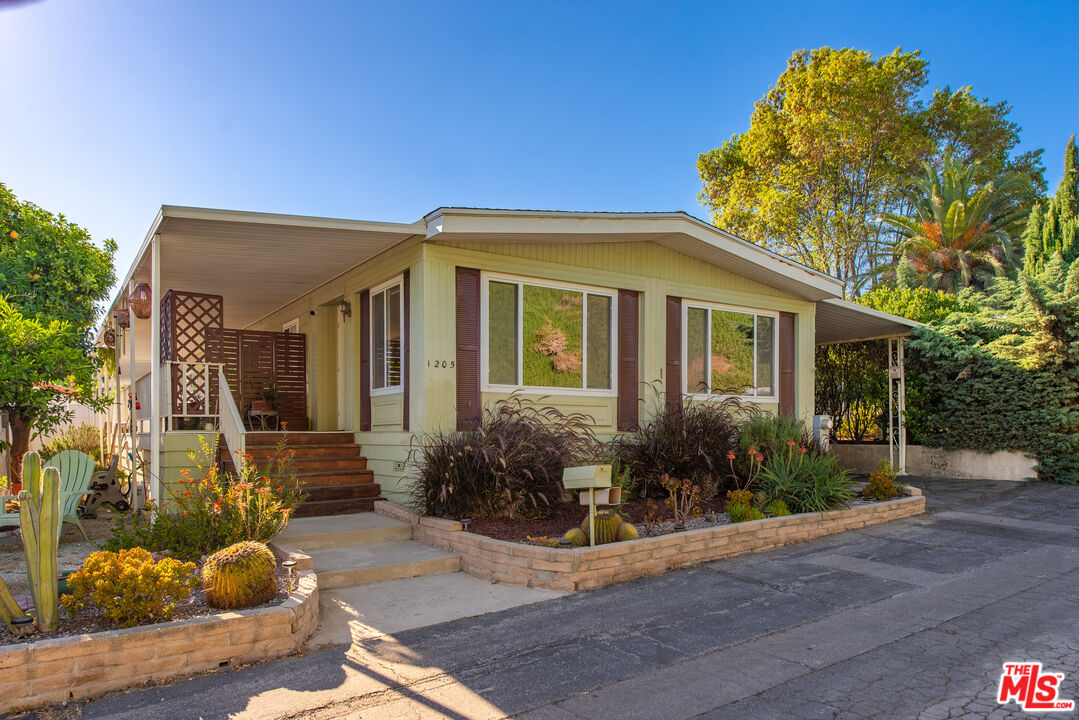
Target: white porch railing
[188, 386]
[231, 423]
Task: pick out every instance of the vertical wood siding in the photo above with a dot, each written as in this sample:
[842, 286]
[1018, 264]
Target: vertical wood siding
[786, 363]
[468, 348]
[628, 359]
[406, 354]
[365, 360]
[673, 385]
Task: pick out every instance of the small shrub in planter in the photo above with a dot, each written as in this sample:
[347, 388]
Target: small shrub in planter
[130, 587]
[739, 512]
[882, 485]
[508, 467]
[804, 481]
[691, 440]
[682, 499]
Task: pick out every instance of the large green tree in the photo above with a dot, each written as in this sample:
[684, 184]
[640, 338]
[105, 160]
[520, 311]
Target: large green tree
[49, 267]
[42, 371]
[830, 149]
[52, 277]
[1053, 226]
[958, 233]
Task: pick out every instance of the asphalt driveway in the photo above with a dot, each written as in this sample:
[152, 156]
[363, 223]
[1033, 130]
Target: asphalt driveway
[912, 619]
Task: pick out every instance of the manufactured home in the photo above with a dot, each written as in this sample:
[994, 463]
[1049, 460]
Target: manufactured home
[361, 336]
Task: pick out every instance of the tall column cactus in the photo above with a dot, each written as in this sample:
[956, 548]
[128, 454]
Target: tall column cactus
[39, 517]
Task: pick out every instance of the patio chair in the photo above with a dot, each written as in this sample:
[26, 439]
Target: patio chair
[76, 470]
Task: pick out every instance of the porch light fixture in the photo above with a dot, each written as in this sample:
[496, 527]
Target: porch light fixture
[346, 308]
[140, 301]
[123, 318]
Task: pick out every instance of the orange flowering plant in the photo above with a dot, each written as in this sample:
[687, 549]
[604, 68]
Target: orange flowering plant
[210, 509]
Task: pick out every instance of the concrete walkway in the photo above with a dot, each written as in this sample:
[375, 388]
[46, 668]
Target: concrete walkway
[907, 620]
[374, 579]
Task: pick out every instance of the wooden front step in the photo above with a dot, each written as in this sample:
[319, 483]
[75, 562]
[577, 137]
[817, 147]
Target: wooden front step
[303, 452]
[342, 492]
[313, 508]
[329, 465]
[332, 477]
[299, 439]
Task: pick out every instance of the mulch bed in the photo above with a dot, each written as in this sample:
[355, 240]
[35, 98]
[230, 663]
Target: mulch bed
[91, 621]
[569, 515]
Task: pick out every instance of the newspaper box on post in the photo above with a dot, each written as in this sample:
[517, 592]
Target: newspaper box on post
[594, 482]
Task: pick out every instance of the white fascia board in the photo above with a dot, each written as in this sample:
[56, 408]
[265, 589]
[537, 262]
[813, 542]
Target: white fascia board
[243, 216]
[480, 224]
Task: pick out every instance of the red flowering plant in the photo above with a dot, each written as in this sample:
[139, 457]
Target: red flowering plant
[209, 509]
[743, 482]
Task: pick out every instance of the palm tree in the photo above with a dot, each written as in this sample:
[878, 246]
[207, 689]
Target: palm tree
[959, 234]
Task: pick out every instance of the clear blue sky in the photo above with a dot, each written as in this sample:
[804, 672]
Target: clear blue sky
[384, 111]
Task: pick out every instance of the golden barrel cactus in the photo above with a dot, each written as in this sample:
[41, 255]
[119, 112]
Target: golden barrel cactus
[575, 537]
[240, 576]
[607, 525]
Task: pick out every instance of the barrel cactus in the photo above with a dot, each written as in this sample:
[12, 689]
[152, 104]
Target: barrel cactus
[575, 537]
[626, 531]
[607, 525]
[240, 576]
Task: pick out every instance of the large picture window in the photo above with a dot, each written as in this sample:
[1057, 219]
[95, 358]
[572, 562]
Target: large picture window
[548, 336]
[729, 351]
[386, 312]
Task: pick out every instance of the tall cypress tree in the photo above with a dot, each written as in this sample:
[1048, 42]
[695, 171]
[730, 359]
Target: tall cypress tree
[1053, 226]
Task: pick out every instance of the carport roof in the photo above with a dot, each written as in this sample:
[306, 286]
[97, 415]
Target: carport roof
[840, 321]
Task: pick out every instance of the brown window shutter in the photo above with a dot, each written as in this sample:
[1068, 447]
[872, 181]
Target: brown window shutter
[786, 363]
[468, 348]
[406, 339]
[674, 351]
[365, 360]
[628, 365]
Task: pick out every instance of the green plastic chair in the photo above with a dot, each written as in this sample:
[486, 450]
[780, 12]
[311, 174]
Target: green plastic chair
[76, 471]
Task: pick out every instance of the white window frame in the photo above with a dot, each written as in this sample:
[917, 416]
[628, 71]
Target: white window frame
[399, 388]
[521, 281]
[292, 326]
[755, 312]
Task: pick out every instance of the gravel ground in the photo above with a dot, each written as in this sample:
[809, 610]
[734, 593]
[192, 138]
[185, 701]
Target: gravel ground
[73, 550]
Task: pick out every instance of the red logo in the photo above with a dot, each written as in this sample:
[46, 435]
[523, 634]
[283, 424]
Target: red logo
[1033, 690]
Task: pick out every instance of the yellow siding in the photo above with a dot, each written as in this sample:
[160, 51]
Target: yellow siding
[653, 270]
[176, 448]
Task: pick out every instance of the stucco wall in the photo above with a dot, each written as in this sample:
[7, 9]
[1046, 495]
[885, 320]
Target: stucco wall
[934, 462]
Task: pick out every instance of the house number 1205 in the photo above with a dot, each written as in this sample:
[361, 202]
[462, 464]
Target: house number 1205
[442, 363]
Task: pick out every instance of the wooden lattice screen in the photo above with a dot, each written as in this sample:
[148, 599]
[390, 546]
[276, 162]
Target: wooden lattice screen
[255, 359]
[189, 323]
[192, 331]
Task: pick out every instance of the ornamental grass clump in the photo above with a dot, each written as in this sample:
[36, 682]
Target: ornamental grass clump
[690, 440]
[130, 587]
[509, 466]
